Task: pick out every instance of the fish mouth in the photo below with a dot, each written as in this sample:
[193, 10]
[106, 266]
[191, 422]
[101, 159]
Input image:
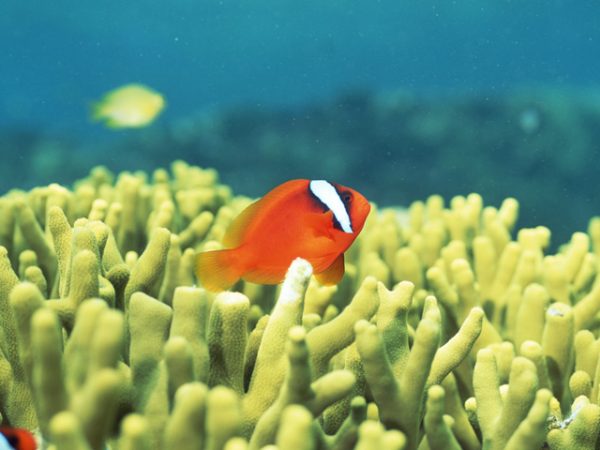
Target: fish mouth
[365, 208]
[362, 212]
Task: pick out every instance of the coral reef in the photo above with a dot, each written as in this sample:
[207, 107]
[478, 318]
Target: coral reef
[451, 328]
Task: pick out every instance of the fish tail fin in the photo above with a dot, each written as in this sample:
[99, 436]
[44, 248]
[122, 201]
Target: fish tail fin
[218, 270]
[96, 112]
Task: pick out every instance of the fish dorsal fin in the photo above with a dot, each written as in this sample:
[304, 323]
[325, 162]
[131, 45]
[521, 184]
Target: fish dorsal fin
[234, 235]
[244, 223]
[333, 274]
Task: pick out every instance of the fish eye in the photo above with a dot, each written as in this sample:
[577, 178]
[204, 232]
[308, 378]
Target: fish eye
[347, 197]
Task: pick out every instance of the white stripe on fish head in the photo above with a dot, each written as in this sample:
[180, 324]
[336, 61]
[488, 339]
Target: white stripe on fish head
[329, 196]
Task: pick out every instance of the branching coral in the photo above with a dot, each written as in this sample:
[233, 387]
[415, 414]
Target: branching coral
[446, 332]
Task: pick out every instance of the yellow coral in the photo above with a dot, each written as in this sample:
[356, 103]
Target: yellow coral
[450, 329]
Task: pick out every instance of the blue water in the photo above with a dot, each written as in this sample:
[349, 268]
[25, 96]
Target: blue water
[59, 56]
[474, 69]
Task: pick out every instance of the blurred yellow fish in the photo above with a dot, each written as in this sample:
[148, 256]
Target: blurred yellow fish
[129, 106]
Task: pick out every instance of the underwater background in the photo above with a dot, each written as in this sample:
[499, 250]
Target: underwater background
[397, 99]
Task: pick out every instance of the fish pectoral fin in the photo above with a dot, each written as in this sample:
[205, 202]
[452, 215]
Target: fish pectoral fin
[333, 274]
[321, 224]
[217, 270]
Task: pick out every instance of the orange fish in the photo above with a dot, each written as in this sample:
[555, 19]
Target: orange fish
[16, 438]
[315, 220]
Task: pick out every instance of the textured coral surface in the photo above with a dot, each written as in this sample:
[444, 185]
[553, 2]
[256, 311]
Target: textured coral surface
[451, 329]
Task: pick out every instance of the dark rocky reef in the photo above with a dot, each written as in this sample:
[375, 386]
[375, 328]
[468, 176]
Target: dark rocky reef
[540, 146]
